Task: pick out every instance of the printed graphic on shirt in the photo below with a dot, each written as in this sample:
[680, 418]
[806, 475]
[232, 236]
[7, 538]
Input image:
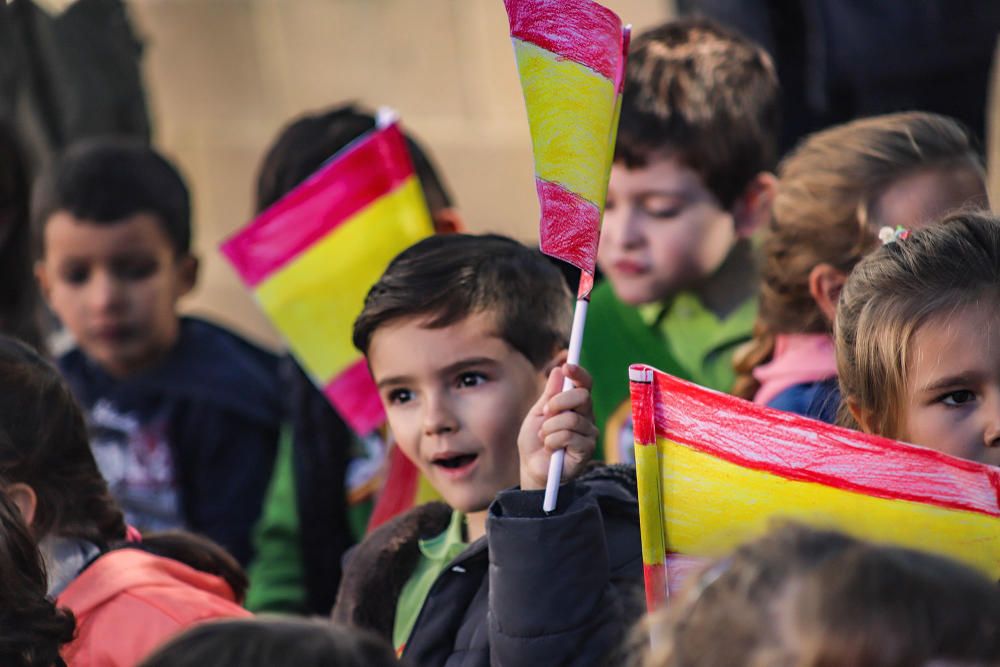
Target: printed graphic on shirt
[135, 458]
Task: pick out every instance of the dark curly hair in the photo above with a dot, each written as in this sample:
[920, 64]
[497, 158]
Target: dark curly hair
[32, 629]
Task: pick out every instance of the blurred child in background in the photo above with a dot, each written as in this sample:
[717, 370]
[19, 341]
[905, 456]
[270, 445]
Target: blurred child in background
[800, 597]
[266, 642]
[690, 183]
[127, 599]
[835, 192]
[184, 415]
[32, 629]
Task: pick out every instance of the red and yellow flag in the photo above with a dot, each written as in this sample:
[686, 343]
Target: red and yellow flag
[715, 471]
[571, 59]
[311, 258]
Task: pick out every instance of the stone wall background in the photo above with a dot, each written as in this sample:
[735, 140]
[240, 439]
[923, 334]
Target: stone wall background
[225, 75]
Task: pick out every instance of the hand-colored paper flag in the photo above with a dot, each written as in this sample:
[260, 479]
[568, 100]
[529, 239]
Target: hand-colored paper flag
[311, 258]
[571, 59]
[715, 470]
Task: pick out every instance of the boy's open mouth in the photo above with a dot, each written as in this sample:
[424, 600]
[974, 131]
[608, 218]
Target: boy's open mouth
[454, 461]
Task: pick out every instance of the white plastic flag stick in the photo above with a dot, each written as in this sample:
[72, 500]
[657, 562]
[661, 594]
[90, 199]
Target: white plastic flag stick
[556, 462]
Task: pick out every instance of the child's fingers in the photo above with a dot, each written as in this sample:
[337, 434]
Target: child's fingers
[576, 400]
[568, 421]
[575, 444]
[552, 388]
[579, 375]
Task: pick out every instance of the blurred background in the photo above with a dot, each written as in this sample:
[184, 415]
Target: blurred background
[221, 77]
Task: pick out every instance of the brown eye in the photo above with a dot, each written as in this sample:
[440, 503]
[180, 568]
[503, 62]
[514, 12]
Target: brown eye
[400, 396]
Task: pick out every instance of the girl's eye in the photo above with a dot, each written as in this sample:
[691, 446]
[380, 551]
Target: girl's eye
[471, 379]
[76, 275]
[400, 396]
[960, 397]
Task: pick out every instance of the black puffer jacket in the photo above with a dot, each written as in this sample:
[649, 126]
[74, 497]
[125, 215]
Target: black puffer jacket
[537, 590]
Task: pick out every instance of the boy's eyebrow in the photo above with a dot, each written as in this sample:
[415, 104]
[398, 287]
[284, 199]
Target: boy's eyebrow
[467, 363]
[447, 370]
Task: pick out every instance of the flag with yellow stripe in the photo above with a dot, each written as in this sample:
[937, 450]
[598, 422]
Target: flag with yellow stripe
[715, 470]
[311, 258]
[571, 60]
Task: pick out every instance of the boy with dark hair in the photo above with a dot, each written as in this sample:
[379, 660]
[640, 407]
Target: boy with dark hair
[184, 415]
[690, 183]
[298, 570]
[466, 339]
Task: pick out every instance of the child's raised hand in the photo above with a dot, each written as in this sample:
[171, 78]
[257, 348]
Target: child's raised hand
[558, 420]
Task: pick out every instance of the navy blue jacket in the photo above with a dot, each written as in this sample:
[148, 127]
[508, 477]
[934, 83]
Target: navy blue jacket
[220, 400]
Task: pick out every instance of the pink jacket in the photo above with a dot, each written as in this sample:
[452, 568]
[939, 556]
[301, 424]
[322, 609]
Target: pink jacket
[797, 359]
[128, 602]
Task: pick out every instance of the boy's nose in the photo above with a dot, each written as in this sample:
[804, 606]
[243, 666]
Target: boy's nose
[105, 293]
[619, 229]
[438, 417]
[630, 228]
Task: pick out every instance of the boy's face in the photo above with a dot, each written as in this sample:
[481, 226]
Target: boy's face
[663, 231]
[455, 398]
[115, 287]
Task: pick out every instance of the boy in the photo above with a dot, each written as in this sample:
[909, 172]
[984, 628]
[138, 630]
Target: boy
[689, 185]
[296, 569]
[184, 415]
[460, 333]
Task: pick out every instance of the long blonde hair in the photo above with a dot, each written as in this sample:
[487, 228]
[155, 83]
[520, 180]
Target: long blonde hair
[892, 293]
[823, 212]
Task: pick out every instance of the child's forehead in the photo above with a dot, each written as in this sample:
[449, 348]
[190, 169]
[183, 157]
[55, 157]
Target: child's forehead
[427, 341]
[661, 170]
[64, 231]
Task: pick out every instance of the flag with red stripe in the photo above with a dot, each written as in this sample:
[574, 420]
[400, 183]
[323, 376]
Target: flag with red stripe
[311, 258]
[571, 60]
[715, 470]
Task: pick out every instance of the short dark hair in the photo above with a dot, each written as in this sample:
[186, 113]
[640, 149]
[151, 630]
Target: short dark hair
[448, 278]
[109, 179]
[273, 641]
[309, 141]
[704, 94]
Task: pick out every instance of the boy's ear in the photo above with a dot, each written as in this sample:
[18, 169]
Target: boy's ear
[825, 284]
[43, 280]
[753, 207]
[187, 267]
[447, 221]
[26, 500]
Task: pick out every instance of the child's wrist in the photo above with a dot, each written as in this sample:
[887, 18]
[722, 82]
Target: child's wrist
[529, 482]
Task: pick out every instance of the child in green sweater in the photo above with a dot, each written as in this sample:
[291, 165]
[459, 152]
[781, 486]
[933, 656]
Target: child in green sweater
[690, 183]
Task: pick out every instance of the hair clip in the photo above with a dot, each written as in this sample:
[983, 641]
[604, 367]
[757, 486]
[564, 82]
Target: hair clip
[889, 235]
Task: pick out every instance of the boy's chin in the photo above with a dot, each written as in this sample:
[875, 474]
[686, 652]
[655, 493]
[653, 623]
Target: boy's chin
[467, 503]
[639, 295]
